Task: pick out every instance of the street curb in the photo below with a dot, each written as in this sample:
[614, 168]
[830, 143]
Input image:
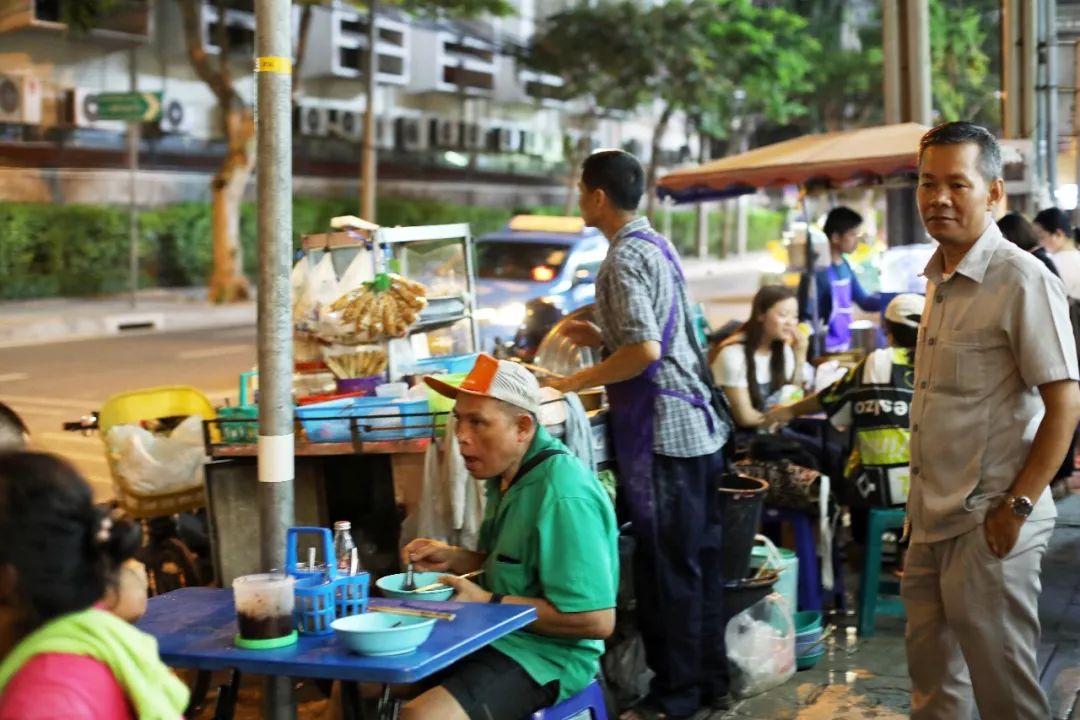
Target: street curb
[68, 326]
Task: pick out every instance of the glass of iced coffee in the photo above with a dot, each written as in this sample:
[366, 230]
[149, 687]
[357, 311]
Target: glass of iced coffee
[264, 610]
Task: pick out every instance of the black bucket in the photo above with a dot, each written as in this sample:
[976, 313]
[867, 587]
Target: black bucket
[741, 498]
[741, 594]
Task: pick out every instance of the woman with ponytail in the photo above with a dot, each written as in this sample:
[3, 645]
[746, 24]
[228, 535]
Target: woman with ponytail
[61, 653]
[1057, 235]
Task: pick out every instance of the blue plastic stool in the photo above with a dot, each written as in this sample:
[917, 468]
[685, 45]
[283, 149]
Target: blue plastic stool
[590, 701]
[877, 596]
[809, 591]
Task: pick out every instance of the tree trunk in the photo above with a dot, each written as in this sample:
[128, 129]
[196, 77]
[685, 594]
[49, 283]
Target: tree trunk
[575, 153]
[703, 208]
[228, 283]
[301, 48]
[573, 159]
[650, 177]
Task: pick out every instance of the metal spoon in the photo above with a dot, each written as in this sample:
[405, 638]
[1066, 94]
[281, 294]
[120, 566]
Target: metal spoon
[410, 582]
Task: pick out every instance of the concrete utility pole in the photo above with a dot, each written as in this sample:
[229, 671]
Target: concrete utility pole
[1076, 120]
[1019, 76]
[906, 45]
[1050, 93]
[273, 65]
[368, 159]
[134, 134]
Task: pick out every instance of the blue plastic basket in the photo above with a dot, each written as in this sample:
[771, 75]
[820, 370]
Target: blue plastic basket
[450, 364]
[366, 419]
[321, 597]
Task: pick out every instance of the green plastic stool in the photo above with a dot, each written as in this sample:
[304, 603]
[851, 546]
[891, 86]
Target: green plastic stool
[877, 595]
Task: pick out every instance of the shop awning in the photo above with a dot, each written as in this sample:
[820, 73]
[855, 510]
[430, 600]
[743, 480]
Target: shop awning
[836, 157]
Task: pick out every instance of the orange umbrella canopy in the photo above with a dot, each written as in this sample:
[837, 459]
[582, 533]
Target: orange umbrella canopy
[827, 157]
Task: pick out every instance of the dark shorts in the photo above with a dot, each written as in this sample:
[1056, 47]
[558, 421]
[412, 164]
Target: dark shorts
[490, 686]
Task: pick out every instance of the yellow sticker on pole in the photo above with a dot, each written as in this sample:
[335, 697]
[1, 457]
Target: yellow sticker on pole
[282, 65]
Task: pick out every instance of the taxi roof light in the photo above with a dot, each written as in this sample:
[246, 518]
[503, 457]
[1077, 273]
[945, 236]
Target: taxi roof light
[547, 223]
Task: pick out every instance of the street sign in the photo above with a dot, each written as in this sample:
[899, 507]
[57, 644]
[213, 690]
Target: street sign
[129, 106]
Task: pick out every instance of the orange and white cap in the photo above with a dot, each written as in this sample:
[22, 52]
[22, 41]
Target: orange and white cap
[499, 379]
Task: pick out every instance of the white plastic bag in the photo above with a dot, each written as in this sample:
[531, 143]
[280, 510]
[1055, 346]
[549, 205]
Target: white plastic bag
[360, 271]
[322, 291]
[760, 645]
[158, 464]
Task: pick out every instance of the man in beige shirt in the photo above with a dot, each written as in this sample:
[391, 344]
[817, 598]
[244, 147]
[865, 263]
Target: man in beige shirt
[996, 402]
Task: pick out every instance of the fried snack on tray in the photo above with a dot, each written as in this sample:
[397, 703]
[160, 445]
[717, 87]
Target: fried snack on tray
[384, 308]
[362, 363]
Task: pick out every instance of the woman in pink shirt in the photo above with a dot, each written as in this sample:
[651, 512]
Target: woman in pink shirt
[60, 655]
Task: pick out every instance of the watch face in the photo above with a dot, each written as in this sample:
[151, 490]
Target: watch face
[1021, 505]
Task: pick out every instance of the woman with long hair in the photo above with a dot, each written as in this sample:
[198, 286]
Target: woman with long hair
[62, 654]
[1057, 235]
[756, 365]
[1021, 233]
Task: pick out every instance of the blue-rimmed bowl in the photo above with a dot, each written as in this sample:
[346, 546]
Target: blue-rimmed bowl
[390, 586]
[805, 662]
[379, 633]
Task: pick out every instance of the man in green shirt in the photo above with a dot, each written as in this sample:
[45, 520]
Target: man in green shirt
[549, 540]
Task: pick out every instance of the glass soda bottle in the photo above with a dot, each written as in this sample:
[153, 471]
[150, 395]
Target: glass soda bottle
[344, 546]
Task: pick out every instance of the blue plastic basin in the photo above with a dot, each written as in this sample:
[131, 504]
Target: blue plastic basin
[377, 419]
[391, 587]
[377, 633]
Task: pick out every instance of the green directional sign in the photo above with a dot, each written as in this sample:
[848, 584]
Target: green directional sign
[129, 106]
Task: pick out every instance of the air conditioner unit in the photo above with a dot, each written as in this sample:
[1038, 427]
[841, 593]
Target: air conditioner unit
[175, 117]
[312, 121]
[347, 124]
[472, 136]
[445, 134]
[80, 111]
[535, 144]
[509, 140]
[410, 134]
[20, 99]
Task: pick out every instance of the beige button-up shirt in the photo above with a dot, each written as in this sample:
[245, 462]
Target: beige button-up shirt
[991, 334]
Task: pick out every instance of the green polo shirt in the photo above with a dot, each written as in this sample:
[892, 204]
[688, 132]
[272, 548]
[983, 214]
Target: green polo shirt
[552, 535]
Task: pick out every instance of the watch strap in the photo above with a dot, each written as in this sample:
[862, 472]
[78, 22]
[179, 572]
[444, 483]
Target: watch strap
[496, 598]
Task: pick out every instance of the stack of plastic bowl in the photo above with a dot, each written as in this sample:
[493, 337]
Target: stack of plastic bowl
[808, 645]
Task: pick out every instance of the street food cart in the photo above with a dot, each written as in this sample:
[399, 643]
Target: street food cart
[363, 426]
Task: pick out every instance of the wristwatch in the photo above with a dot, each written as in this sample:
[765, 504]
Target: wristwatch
[1021, 505]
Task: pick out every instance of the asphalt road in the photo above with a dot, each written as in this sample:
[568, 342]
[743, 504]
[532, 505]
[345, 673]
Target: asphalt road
[50, 384]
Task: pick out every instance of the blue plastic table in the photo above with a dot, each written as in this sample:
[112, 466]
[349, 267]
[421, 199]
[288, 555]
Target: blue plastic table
[195, 628]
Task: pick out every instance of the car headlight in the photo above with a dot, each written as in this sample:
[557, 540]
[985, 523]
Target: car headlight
[509, 315]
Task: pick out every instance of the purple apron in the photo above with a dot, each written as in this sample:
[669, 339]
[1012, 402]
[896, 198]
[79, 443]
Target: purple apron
[838, 337]
[633, 410]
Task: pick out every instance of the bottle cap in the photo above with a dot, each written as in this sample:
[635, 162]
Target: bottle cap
[342, 525]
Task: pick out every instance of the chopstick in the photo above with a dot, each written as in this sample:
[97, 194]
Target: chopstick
[395, 610]
[436, 585]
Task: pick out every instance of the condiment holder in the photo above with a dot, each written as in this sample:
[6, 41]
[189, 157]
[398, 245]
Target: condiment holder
[322, 596]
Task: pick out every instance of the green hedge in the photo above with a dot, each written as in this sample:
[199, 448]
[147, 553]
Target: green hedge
[762, 225]
[75, 250]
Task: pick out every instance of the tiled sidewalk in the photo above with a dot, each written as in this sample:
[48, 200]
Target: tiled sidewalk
[860, 678]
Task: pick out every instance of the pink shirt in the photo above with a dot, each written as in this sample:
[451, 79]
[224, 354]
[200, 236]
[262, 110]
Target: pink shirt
[55, 686]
